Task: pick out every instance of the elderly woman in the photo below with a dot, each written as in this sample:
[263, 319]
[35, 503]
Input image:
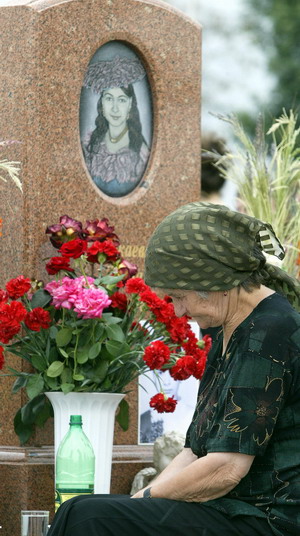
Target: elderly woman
[239, 471]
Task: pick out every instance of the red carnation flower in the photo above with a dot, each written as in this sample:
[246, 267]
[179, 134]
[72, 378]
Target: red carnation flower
[150, 298]
[162, 403]
[3, 295]
[208, 343]
[7, 332]
[107, 247]
[200, 367]
[18, 287]
[56, 264]
[183, 368]
[178, 329]
[156, 355]
[135, 285]
[191, 347]
[74, 248]
[119, 301]
[16, 311]
[38, 318]
[10, 316]
[163, 311]
[1, 358]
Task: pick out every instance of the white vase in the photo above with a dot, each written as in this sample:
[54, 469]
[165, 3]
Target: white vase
[98, 418]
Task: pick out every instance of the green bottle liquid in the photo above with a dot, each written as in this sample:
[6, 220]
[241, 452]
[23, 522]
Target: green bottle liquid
[75, 464]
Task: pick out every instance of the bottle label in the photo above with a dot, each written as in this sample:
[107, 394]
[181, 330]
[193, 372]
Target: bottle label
[62, 495]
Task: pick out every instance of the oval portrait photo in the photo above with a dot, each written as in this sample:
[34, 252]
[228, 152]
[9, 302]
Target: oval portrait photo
[116, 119]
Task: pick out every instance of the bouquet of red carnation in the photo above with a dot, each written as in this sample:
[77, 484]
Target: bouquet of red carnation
[94, 327]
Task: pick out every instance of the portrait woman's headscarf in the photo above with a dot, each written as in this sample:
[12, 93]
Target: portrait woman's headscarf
[208, 247]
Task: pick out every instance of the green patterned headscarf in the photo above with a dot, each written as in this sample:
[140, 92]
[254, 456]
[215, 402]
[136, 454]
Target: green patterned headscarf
[207, 247]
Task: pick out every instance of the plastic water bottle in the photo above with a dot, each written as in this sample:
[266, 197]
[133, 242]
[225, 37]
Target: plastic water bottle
[75, 464]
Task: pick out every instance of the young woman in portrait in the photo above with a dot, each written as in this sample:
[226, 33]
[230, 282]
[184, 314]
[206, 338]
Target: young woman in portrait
[116, 152]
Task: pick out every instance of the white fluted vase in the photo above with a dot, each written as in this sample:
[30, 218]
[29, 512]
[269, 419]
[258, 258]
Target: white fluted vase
[98, 418]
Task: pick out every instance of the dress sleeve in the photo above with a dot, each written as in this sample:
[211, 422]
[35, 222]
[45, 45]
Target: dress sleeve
[245, 398]
[249, 404]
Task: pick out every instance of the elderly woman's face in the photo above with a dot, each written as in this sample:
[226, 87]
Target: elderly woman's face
[207, 312]
[116, 106]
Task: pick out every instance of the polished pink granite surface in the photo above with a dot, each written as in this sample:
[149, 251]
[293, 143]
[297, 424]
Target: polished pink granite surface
[45, 49]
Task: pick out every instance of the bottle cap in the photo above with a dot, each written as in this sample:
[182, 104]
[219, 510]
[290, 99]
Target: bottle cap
[75, 419]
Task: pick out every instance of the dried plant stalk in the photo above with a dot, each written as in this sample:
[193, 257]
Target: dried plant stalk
[268, 179]
[11, 169]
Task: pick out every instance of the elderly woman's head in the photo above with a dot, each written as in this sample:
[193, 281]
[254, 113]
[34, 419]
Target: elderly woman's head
[209, 248]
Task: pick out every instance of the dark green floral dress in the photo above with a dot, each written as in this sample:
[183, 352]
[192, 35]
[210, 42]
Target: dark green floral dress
[249, 402]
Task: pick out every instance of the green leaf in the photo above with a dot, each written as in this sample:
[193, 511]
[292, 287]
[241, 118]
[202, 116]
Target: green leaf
[82, 355]
[123, 415]
[19, 383]
[43, 411]
[115, 333]
[106, 384]
[53, 332]
[78, 377]
[101, 370]
[35, 386]
[51, 382]
[67, 375]
[39, 362]
[94, 350]
[63, 337]
[53, 354]
[55, 369]
[37, 411]
[27, 414]
[99, 332]
[40, 299]
[47, 349]
[22, 430]
[110, 279]
[110, 319]
[85, 337]
[63, 353]
[114, 348]
[67, 387]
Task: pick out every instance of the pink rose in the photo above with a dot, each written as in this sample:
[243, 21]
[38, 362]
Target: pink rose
[90, 302]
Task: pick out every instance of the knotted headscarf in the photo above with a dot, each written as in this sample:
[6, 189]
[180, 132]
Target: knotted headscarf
[207, 247]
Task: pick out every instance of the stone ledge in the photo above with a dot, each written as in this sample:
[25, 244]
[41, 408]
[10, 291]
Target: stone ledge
[45, 454]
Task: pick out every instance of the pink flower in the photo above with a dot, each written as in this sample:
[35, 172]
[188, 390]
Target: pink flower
[65, 292]
[90, 302]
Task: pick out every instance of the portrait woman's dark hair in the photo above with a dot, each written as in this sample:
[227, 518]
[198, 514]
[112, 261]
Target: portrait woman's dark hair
[134, 125]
